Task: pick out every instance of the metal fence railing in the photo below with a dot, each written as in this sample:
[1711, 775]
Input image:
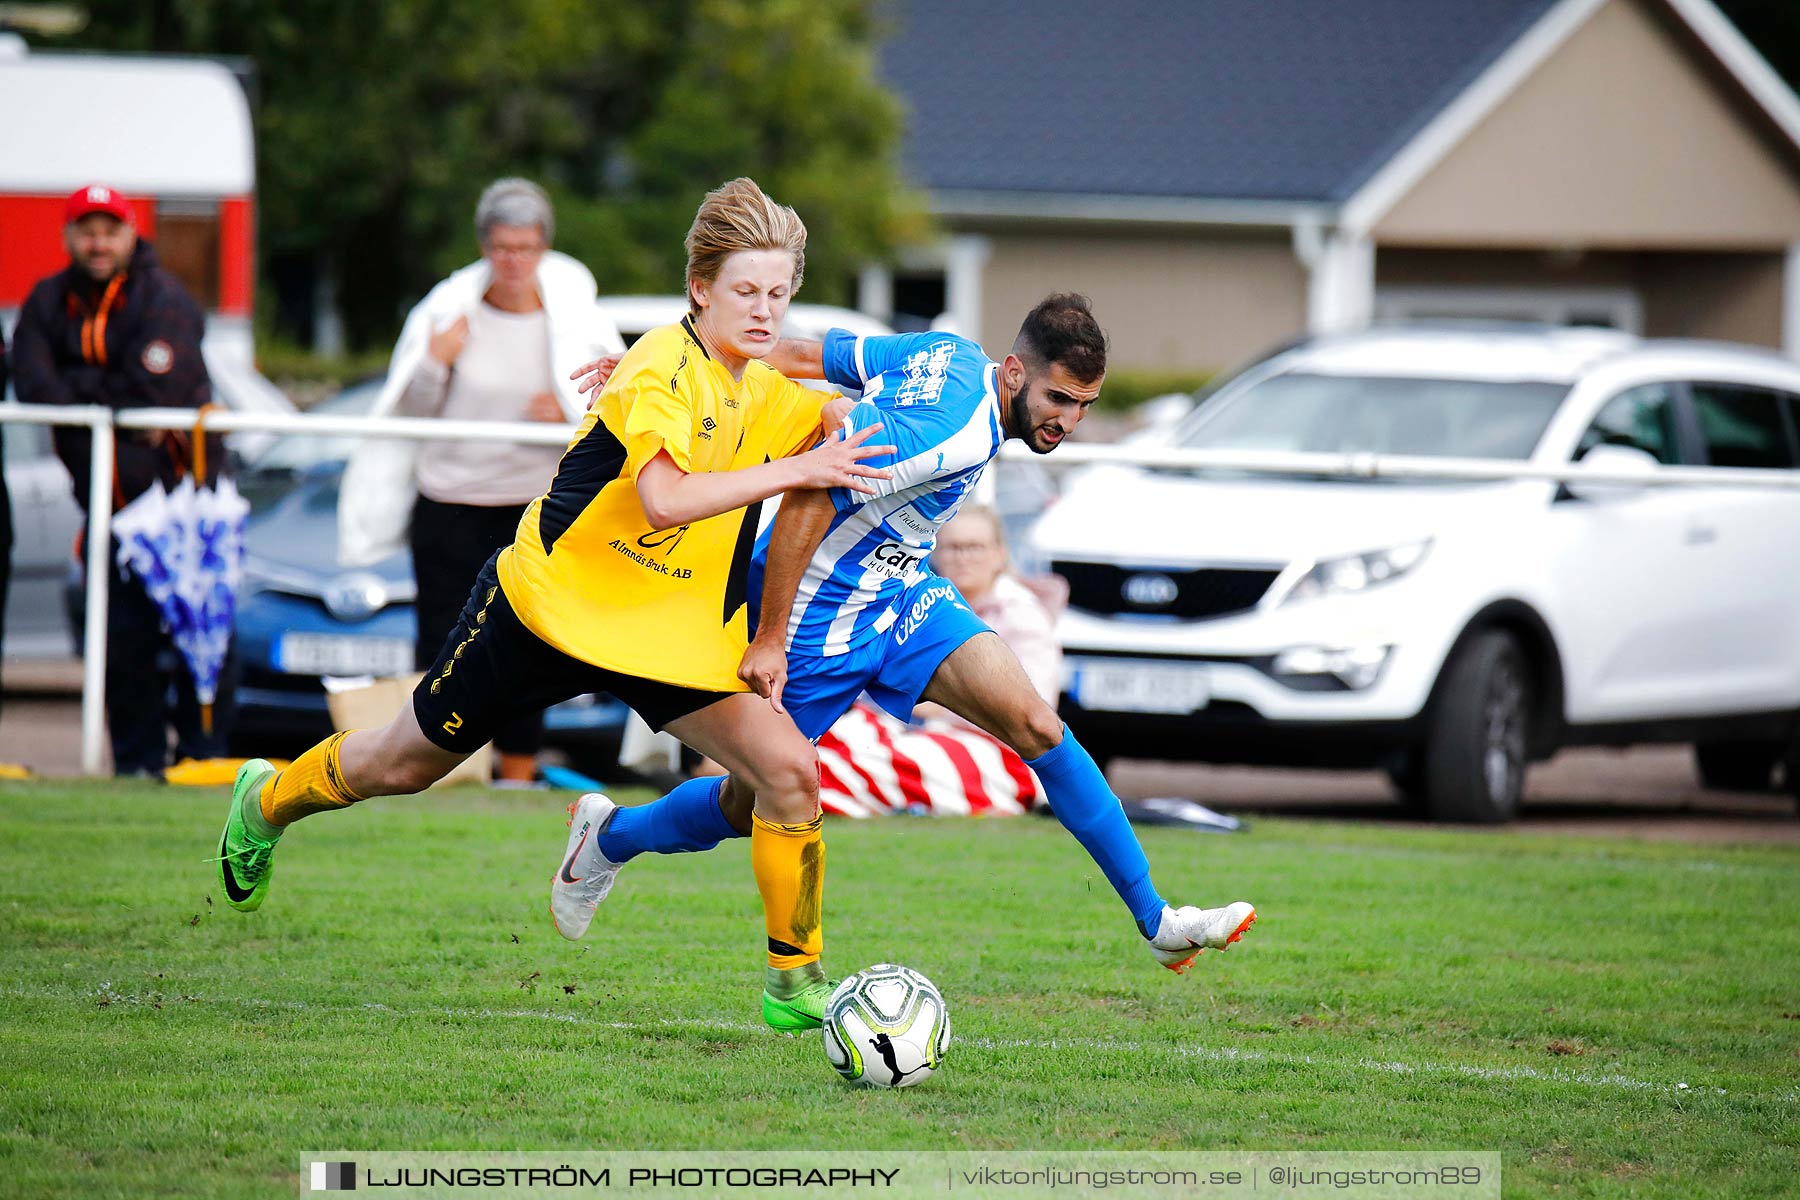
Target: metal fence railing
[104, 421]
[1403, 466]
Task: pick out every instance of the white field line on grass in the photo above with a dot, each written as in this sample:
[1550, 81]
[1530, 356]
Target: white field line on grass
[1220, 1054]
[1660, 866]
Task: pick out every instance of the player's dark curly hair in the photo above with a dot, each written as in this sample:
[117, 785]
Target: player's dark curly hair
[1062, 329]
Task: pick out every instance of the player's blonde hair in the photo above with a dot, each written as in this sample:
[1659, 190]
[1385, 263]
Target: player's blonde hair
[738, 216]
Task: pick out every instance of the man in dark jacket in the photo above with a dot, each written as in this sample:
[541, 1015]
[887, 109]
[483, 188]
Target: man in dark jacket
[7, 770]
[114, 328]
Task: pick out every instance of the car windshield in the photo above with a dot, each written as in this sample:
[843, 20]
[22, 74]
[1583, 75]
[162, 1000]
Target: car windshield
[299, 451]
[1346, 414]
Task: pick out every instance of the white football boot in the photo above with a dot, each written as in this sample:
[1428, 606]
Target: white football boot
[585, 875]
[1185, 932]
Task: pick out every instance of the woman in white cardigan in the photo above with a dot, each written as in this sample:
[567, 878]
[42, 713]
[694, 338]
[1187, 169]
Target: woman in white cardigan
[491, 343]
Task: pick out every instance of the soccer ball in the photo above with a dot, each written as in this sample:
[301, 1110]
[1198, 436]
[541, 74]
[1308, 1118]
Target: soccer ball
[886, 1026]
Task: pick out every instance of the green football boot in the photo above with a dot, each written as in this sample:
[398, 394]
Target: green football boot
[794, 1000]
[246, 860]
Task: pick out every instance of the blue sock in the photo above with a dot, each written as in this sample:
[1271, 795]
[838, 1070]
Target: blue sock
[1086, 806]
[687, 819]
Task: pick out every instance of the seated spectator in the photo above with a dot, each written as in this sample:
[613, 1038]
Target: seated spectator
[971, 553]
[871, 764]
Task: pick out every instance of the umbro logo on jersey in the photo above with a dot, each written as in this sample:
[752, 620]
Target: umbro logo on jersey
[708, 424]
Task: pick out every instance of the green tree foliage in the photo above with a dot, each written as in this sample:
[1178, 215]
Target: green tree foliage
[379, 124]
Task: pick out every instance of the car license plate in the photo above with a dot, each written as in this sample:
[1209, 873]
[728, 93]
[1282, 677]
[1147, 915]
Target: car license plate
[1144, 687]
[339, 654]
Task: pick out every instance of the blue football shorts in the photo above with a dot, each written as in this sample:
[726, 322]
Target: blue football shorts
[892, 667]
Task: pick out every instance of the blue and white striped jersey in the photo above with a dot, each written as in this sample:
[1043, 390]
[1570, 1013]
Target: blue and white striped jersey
[934, 396]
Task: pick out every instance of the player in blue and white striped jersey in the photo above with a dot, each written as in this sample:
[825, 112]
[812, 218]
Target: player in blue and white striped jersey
[936, 394]
[849, 604]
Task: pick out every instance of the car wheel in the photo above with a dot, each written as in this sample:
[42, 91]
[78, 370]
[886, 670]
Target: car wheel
[1475, 751]
[1737, 766]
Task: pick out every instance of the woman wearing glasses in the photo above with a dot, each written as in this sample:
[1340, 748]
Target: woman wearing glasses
[493, 342]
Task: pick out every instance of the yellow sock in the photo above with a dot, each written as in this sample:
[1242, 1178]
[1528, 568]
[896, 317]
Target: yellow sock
[313, 783]
[789, 861]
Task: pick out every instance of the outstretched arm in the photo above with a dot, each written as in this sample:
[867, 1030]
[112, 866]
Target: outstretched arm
[672, 497]
[799, 528]
[797, 358]
[794, 357]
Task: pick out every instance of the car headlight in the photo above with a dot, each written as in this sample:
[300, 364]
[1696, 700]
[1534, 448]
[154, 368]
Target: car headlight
[1357, 572]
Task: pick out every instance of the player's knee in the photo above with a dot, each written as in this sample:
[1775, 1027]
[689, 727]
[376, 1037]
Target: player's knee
[787, 786]
[1036, 730]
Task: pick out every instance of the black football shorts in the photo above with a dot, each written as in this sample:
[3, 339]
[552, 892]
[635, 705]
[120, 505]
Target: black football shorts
[492, 668]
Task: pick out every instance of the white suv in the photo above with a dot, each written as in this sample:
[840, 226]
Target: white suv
[1449, 632]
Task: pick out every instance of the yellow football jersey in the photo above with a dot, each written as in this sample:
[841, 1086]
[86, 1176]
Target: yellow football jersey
[588, 574]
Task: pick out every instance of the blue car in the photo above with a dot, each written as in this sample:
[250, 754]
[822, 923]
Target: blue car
[302, 619]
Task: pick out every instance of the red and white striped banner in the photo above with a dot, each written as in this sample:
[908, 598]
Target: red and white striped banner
[871, 765]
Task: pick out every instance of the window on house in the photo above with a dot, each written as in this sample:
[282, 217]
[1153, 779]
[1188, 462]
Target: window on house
[1598, 308]
[919, 297]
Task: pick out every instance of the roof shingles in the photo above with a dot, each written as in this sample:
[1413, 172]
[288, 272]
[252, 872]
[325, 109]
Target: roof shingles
[1291, 100]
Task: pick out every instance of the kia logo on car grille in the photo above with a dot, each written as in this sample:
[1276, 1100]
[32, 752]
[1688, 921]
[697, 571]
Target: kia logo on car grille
[1148, 590]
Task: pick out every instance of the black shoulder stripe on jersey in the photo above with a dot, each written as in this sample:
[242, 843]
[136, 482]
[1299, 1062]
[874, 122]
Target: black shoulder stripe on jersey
[589, 465]
[687, 325]
[737, 583]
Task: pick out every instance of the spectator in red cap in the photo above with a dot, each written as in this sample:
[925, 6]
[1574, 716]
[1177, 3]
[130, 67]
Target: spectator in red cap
[115, 328]
[7, 770]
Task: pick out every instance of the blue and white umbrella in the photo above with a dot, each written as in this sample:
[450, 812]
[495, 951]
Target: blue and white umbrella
[187, 545]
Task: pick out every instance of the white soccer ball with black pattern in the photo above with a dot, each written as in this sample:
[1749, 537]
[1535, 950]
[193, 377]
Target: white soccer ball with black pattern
[886, 1026]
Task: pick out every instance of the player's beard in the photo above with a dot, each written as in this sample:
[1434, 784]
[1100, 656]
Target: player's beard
[1019, 417]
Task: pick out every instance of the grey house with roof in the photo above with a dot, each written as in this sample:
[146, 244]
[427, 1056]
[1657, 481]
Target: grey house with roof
[1221, 175]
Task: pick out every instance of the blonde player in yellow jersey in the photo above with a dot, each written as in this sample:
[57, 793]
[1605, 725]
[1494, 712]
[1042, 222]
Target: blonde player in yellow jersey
[629, 577]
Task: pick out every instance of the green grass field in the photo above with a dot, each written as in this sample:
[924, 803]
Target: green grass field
[403, 990]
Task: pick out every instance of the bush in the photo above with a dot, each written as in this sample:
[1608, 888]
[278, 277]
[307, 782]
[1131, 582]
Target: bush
[1124, 390]
[288, 365]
